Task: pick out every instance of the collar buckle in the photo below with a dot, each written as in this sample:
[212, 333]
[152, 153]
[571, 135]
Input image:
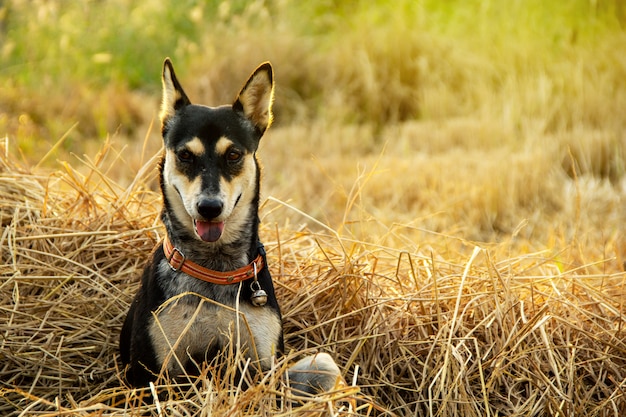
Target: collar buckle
[172, 262]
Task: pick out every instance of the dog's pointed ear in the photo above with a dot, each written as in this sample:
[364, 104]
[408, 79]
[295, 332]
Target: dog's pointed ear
[174, 97]
[257, 96]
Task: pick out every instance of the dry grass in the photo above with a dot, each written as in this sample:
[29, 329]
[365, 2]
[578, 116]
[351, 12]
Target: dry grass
[435, 327]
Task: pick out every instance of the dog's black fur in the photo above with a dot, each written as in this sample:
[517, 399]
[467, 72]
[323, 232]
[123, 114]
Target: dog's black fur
[209, 177]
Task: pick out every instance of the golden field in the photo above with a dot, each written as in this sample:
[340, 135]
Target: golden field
[444, 199]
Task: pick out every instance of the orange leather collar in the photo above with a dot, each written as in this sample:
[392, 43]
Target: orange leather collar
[178, 262]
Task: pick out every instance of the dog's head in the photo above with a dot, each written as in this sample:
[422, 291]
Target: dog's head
[209, 173]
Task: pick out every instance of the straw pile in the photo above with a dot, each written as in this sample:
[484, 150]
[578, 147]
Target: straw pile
[479, 332]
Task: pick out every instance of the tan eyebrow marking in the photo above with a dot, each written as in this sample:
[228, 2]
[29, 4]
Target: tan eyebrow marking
[222, 145]
[195, 146]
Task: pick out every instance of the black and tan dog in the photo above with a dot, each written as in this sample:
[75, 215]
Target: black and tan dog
[208, 282]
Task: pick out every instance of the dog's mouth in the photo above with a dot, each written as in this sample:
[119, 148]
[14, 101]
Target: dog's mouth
[209, 231]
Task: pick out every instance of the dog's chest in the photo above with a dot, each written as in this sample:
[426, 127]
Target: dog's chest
[189, 325]
[192, 329]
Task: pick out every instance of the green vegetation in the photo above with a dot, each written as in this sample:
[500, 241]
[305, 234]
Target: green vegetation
[369, 62]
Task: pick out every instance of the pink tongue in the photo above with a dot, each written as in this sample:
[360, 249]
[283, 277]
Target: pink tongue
[209, 231]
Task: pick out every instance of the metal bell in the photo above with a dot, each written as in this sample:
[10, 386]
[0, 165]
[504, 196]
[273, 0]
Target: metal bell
[259, 297]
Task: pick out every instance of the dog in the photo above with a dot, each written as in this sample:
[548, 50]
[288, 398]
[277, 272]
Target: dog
[207, 285]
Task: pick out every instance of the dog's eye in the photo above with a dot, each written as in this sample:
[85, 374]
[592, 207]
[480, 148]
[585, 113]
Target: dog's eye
[233, 155]
[184, 155]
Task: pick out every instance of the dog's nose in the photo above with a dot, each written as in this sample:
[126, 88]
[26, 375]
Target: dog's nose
[210, 208]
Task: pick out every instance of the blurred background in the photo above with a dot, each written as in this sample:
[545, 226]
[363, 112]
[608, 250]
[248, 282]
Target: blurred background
[481, 120]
